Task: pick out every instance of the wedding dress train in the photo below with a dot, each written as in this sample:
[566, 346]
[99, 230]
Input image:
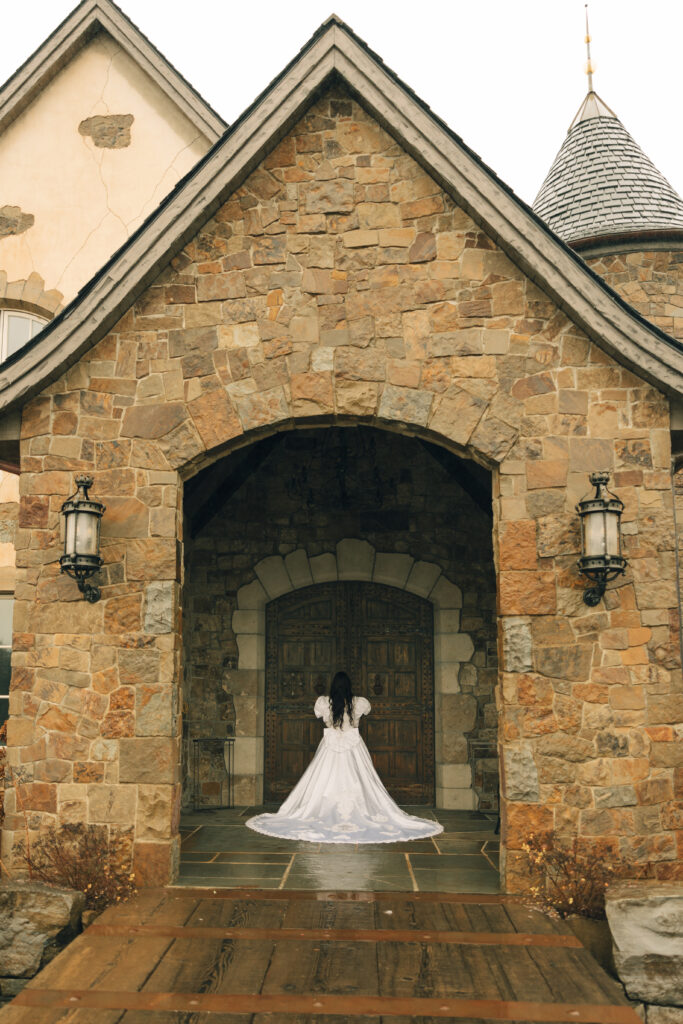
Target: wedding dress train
[340, 797]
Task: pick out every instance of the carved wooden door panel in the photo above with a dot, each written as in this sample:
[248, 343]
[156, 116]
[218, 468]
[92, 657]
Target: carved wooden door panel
[384, 638]
[392, 656]
[304, 645]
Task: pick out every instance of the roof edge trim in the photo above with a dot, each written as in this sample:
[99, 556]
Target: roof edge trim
[89, 18]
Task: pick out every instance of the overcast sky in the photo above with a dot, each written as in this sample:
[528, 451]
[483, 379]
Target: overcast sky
[506, 75]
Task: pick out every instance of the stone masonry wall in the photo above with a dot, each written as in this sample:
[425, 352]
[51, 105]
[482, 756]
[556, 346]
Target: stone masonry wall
[315, 489]
[651, 281]
[340, 282]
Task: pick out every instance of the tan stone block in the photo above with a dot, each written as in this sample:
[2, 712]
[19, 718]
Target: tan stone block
[517, 545]
[154, 863]
[547, 473]
[312, 392]
[456, 414]
[152, 559]
[123, 614]
[111, 804]
[360, 239]
[356, 398]
[214, 417]
[149, 759]
[527, 593]
[152, 421]
[154, 812]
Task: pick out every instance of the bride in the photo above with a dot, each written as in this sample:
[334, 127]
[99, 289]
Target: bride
[340, 797]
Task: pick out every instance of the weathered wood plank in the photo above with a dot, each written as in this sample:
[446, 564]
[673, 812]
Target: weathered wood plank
[316, 913]
[334, 968]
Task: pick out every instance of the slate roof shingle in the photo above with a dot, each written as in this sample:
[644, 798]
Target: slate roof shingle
[602, 184]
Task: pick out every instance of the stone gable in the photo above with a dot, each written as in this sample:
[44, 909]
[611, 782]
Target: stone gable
[340, 284]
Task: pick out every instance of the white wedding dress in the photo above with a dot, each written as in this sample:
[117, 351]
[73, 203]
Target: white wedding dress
[340, 797]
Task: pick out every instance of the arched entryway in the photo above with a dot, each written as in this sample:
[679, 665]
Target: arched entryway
[313, 507]
[384, 638]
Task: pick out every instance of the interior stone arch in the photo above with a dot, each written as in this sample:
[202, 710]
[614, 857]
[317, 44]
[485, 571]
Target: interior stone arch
[358, 560]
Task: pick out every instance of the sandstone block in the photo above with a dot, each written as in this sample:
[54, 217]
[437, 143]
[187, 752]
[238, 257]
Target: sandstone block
[355, 559]
[153, 711]
[154, 813]
[405, 404]
[422, 577]
[516, 645]
[152, 421]
[112, 804]
[273, 576]
[159, 607]
[148, 759]
[248, 622]
[646, 921]
[324, 568]
[445, 594]
[298, 568]
[454, 776]
[251, 595]
[333, 196]
[520, 774]
[449, 647]
[356, 398]
[456, 413]
[392, 568]
[458, 712]
[251, 651]
[570, 662]
[527, 593]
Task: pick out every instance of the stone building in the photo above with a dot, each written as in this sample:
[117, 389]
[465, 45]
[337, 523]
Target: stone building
[340, 393]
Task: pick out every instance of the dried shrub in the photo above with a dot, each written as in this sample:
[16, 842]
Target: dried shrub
[573, 879]
[85, 858]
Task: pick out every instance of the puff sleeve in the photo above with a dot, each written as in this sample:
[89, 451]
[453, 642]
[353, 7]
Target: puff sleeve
[362, 707]
[321, 708]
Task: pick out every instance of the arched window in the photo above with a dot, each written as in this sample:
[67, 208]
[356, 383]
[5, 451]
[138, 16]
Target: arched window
[16, 329]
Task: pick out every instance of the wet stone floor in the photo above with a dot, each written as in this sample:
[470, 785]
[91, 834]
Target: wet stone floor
[218, 849]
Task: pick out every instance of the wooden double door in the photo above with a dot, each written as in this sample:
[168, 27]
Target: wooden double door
[384, 639]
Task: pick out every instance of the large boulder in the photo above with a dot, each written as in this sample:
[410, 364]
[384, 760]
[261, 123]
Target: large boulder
[646, 921]
[35, 922]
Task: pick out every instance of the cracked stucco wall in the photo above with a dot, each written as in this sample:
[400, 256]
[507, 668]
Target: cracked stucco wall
[86, 200]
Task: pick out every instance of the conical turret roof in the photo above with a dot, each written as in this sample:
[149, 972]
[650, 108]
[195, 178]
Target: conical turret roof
[602, 185]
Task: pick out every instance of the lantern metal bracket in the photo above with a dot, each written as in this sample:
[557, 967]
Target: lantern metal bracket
[90, 594]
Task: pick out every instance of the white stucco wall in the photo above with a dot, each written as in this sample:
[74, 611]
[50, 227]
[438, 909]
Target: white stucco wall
[86, 201]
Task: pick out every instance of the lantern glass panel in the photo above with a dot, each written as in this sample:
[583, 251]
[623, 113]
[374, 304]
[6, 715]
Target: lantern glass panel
[612, 533]
[86, 533]
[70, 534]
[594, 534]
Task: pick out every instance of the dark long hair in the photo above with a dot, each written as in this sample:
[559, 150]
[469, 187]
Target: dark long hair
[341, 697]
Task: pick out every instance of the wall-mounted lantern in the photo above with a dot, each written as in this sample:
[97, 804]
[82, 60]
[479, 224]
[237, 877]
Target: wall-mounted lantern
[81, 556]
[601, 559]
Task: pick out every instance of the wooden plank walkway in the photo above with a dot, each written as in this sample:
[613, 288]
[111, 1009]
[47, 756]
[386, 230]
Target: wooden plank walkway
[232, 956]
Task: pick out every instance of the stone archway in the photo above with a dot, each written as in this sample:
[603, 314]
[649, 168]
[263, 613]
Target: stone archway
[358, 560]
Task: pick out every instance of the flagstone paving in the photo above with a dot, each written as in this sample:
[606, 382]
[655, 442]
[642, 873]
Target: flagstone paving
[218, 849]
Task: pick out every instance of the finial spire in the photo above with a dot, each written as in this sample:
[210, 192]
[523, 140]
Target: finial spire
[589, 66]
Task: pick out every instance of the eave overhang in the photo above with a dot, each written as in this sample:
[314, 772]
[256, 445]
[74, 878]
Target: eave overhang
[335, 52]
[82, 25]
